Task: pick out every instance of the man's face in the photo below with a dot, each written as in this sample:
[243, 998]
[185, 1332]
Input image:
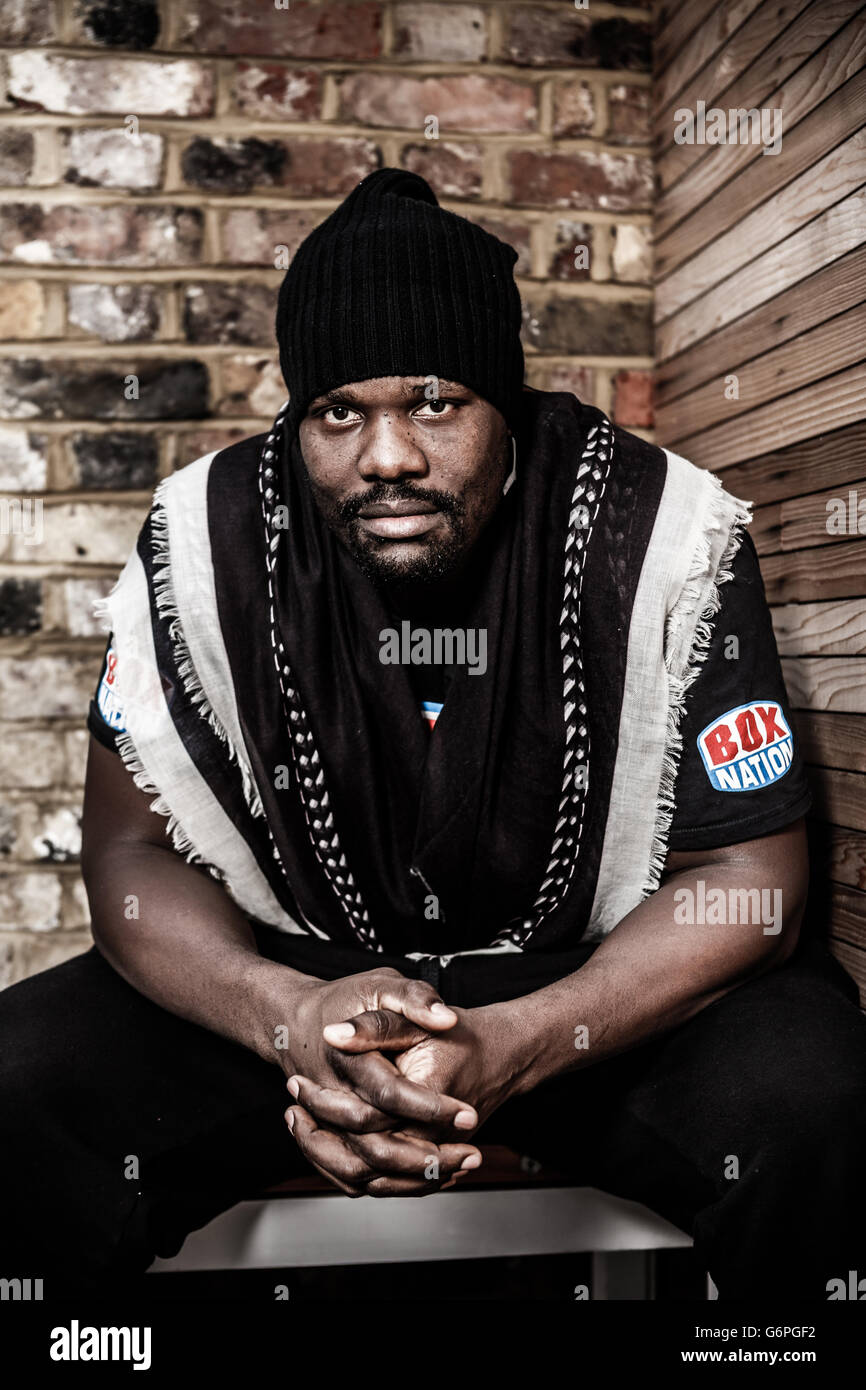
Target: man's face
[405, 482]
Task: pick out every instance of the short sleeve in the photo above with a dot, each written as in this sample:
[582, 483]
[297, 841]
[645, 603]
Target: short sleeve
[740, 773]
[105, 715]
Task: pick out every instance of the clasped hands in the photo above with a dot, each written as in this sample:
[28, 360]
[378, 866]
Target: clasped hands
[390, 1079]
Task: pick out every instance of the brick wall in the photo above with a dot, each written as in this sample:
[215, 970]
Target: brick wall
[159, 160]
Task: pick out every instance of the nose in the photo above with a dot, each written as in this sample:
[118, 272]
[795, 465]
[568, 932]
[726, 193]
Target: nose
[389, 452]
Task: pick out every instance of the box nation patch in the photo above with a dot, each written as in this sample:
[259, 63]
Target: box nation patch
[106, 696]
[747, 747]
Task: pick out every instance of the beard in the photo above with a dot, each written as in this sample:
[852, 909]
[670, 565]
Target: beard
[429, 560]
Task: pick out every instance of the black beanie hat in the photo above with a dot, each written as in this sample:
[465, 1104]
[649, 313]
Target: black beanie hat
[391, 284]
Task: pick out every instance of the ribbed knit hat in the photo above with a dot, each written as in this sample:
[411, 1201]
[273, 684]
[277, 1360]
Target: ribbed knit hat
[391, 284]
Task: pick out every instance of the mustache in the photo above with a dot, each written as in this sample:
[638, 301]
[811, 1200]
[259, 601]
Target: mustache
[447, 502]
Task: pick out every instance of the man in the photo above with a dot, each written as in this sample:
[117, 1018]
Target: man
[484, 815]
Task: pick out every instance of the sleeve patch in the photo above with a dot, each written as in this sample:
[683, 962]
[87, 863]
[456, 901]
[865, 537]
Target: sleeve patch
[106, 696]
[747, 747]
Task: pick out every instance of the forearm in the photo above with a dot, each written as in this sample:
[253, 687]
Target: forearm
[175, 935]
[650, 974]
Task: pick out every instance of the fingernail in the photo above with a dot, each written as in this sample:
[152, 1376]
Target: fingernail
[471, 1161]
[294, 1086]
[464, 1119]
[290, 1120]
[341, 1032]
[440, 1009]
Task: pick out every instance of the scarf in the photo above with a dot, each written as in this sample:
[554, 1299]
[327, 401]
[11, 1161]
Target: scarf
[296, 766]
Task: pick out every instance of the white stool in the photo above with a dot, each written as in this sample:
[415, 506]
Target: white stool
[331, 1229]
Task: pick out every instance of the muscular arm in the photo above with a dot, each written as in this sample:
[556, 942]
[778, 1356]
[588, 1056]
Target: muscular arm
[188, 947]
[172, 931]
[651, 973]
[655, 970]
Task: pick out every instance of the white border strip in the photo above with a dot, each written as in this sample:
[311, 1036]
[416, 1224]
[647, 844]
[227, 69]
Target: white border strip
[697, 529]
[155, 754]
[185, 585]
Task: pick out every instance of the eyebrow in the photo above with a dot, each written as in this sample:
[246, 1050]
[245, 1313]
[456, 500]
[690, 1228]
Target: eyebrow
[345, 396]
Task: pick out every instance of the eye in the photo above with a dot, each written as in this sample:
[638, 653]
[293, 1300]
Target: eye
[438, 408]
[340, 414]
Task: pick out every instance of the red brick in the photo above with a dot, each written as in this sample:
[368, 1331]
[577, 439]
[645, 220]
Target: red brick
[273, 92]
[631, 253]
[99, 158]
[250, 236]
[16, 156]
[459, 103]
[569, 236]
[628, 115]
[608, 182]
[90, 234]
[22, 21]
[517, 234]
[94, 388]
[327, 168]
[566, 38]
[633, 404]
[575, 109]
[114, 313]
[583, 326]
[123, 24]
[22, 309]
[440, 33]
[453, 171]
[306, 168]
[252, 385]
[194, 444]
[237, 312]
[303, 30]
[580, 381]
[110, 85]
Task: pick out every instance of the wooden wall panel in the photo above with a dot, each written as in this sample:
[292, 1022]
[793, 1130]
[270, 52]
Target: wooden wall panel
[760, 344]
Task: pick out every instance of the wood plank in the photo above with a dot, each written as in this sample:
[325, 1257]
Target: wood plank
[828, 292]
[839, 855]
[836, 457]
[834, 233]
[742, 54]
[826, 683]
[854, 961]
[692, 33]
[837, 401]
[826, 182]
[794, 75]
[807, 575]
[766, 528]
[837, 628]
[745, 179]
[813, 521]
[848, 916]
[831, 740]
[830, 347]
[839, 797]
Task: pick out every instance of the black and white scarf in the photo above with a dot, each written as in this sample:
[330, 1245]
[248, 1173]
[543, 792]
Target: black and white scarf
[296, 766]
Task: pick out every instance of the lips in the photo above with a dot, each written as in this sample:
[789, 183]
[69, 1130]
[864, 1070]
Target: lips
[408, 506]
[399, 521]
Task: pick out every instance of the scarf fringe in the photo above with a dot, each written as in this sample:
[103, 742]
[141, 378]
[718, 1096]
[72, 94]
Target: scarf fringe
[179, 837]
[167, 607]
[719, 512]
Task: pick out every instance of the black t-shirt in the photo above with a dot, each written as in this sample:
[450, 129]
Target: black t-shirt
[740, 773]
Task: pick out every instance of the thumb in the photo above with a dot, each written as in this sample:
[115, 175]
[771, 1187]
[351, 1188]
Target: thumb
[374, 1029]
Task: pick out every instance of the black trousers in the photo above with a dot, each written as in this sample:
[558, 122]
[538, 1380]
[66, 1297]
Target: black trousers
[123, 1128]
